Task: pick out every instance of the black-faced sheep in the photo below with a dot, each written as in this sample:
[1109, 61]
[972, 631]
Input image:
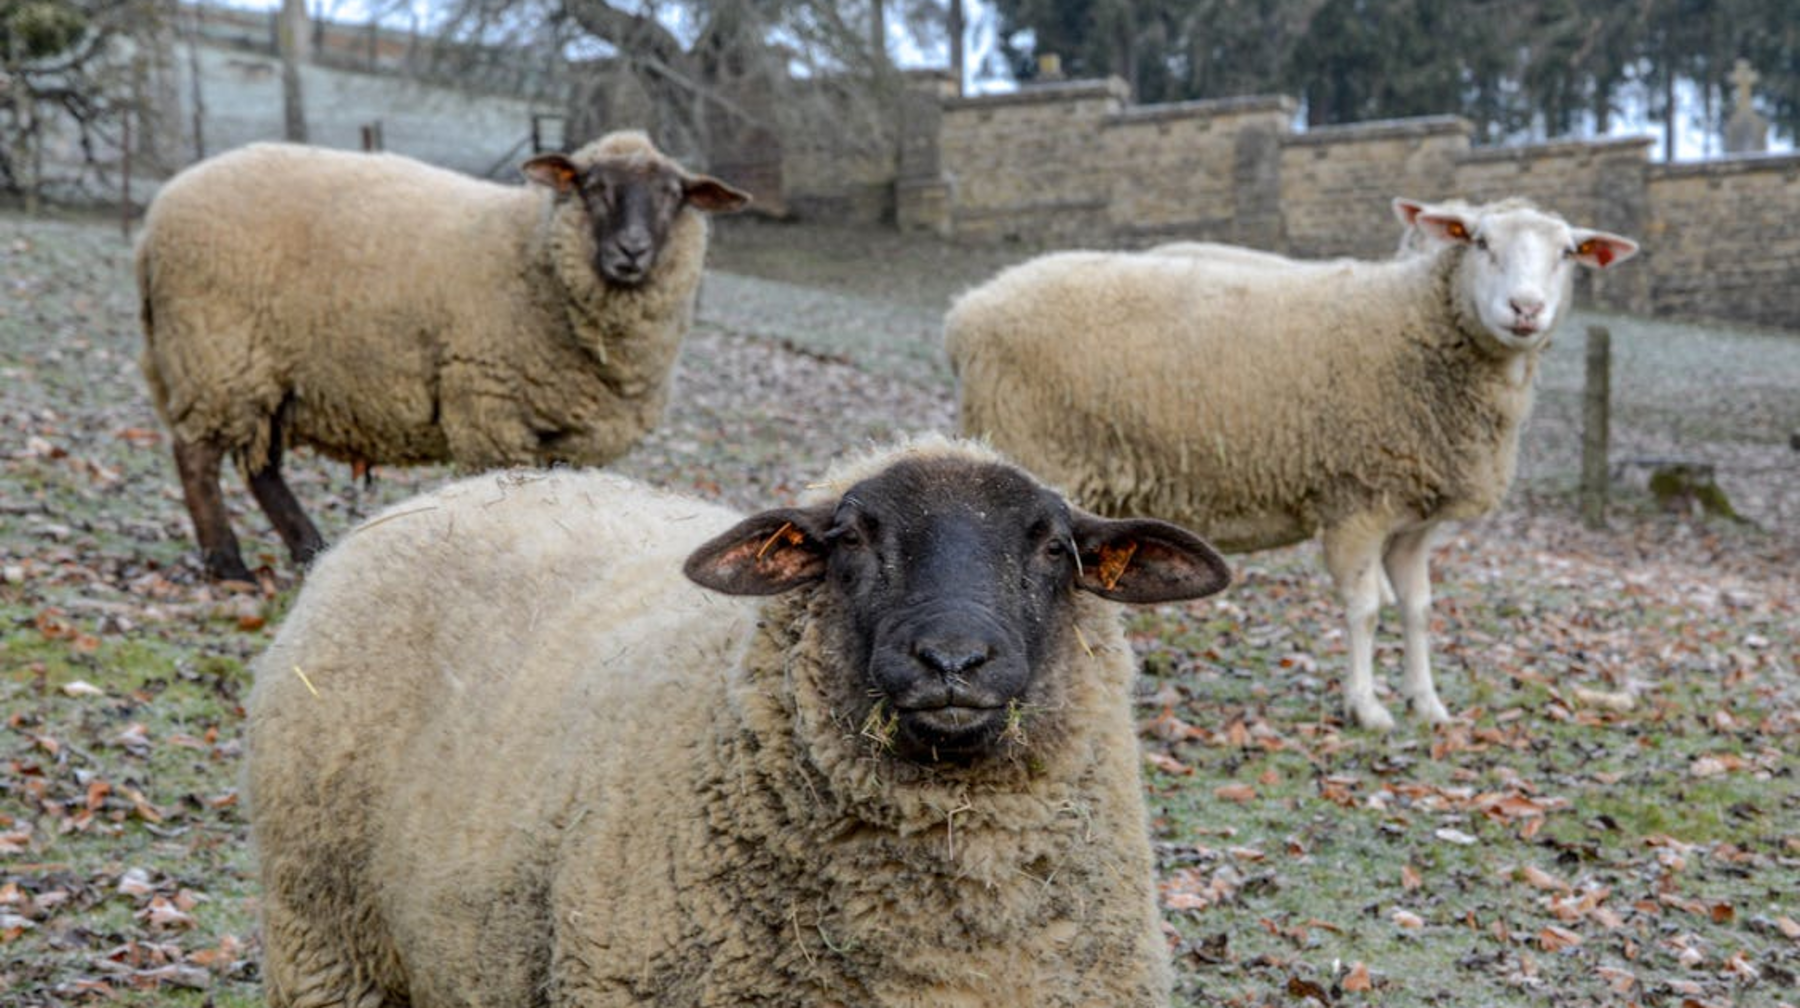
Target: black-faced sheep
[382, 310]
[503, 752]
[1364, 401]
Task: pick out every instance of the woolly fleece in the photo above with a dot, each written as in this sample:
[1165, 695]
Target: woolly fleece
[390, 311]
[1240, 401]
[543, 767]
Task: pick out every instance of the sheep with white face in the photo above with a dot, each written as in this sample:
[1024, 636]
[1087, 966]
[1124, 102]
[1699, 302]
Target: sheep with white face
[1263, 401]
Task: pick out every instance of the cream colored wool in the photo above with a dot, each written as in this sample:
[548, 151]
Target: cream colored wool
[542, 767]
[1141, 387]
[390, 311]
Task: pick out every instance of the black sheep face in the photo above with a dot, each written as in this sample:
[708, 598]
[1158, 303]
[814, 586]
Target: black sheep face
[631, 204]
[955, 575]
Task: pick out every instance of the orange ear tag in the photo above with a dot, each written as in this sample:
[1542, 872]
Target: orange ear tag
[1113, 561]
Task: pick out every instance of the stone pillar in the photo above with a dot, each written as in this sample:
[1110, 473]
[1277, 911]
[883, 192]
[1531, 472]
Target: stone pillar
[922, 193]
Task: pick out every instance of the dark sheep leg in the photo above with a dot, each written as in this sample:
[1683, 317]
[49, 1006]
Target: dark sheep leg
[284, 511]
[198, 464]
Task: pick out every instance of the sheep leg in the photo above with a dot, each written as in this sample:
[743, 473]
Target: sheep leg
[1408, 561]
[1353, 556]
[284, 511]
[198, 464]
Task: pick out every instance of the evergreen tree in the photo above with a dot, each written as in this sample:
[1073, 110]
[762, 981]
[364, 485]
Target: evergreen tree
[1513, 67]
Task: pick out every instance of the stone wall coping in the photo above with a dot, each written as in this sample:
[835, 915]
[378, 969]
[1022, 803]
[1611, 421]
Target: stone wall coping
[1383, 129]
[1203, 108]
[1558, 148]
[1044, 94]
[1731, 164]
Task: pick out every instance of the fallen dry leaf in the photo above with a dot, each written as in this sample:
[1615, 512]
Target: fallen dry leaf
[1555, 939]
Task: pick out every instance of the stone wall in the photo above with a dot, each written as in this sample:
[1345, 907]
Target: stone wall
[1029, 165]
[1076, 164]
[1207, 170]
[1723, 240]
[1338, 183]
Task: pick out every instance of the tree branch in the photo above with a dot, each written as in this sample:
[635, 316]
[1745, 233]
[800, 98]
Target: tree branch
[634, 35]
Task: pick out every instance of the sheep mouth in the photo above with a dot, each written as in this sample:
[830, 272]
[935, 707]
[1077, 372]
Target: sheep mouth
[621, 272]
[948, 732]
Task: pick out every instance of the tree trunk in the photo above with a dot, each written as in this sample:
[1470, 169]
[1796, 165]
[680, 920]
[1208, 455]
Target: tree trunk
[958, 54]
[1671, 118]
[196, 95]
[290, 40]
[23, 155]
[1127, 52]
[878, 47]
[159, 139]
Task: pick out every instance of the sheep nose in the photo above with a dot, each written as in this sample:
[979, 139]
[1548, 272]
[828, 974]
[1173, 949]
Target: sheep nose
[953, 657]
[1526, 308]
[634, 246]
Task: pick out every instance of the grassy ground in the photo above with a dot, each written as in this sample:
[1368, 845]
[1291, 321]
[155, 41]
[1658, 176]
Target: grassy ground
[1615, 818]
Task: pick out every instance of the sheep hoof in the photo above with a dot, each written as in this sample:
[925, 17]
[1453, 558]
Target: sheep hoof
[1371, 716]
[1429, 709]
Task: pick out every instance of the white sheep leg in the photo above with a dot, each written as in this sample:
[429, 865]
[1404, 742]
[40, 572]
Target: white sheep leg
[1408, 563]
[1353, 556]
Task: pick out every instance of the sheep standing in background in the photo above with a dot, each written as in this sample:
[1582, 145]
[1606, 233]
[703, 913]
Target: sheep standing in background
[1364, 401]
[503, 753]
[385, 311]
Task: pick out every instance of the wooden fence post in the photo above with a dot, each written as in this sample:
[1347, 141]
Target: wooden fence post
[1595, 400]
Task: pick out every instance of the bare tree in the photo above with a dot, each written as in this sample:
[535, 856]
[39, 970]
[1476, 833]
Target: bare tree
[728, 84]
[61, 76]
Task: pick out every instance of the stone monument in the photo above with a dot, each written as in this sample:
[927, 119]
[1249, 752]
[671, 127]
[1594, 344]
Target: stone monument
[1746, 132]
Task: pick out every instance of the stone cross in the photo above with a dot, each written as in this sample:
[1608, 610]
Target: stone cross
[1746, 132]
[1745, 79]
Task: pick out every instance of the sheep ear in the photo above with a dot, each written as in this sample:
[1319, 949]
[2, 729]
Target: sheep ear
[707, 193]
[1600, 249]
[764, 554]
[553, 170]
[1444, 226]
[1407, 209]
[1141, 560]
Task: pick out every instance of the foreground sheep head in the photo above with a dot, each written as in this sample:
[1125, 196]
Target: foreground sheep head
[950, 572]
[632, 195]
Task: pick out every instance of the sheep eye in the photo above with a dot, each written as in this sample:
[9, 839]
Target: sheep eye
[845, 537]
[1481, 243]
